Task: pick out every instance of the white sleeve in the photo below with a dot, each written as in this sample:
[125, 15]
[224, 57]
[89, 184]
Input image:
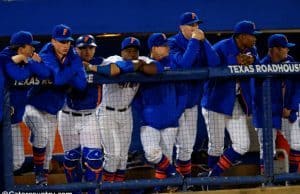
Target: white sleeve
[146, 59]
[111, 59]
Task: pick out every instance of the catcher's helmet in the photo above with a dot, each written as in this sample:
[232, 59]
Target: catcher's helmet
[86, 40]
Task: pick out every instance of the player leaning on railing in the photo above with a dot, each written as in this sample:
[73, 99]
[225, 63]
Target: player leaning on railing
[160, 105]
[114, 113]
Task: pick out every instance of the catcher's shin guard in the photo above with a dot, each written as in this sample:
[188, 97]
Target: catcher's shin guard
[72, 165]
[93, 164]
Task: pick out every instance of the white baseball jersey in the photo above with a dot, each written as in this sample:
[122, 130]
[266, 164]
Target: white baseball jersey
[115, 120]
[119, 95]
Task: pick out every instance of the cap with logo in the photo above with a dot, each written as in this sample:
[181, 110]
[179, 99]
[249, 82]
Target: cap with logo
[246, 27]
[189, 18]
[62, 32]
[157, 39]
[130, 42]
[86, 40]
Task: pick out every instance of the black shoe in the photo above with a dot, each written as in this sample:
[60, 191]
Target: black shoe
[41, 179]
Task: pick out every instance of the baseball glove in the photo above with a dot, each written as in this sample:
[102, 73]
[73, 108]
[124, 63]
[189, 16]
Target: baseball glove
[244, 59]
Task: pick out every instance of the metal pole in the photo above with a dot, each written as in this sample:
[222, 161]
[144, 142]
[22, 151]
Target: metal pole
[6, 175]
[267, 132]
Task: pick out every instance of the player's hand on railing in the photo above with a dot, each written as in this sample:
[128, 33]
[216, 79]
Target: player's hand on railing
[138, 64]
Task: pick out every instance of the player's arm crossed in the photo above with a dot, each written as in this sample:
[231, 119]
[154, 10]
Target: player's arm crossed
[146, 65]
[110, 69]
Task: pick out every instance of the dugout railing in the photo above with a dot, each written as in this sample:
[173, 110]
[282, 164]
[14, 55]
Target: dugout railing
[263, 71]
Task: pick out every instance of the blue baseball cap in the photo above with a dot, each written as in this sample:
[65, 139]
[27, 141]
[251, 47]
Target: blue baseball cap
[246, 27]
[188, 18]
[86, 40]
[62, 32]
[130, 42]
[22, 38]
[279, 40]
[157, 39]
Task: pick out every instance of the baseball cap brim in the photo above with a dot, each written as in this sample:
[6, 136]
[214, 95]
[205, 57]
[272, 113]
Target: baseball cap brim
[65, 39]
[256, 32]
[85, 45]
[129, 46]
[290, 44]
[163, 44]
[194, 21]
[34, 42]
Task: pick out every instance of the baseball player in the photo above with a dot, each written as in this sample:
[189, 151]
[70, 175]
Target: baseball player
[78, 126]
[227, 103]
[188, 50]
[278, 53]
[114, 112]
[40, 114]
[161, 106]
[21, 62]
[285, 101]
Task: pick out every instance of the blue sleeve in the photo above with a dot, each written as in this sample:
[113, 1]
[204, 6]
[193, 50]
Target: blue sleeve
[224, 61]
[292, 94]
[125, 66]
[16, 71]
[159, 66]
[79, 79]
[104, 70]
[39, 69]
[212, 56]
[184, 58]
[61, 76]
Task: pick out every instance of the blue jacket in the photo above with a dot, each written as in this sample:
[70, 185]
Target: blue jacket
[17, 74]
[276, 96]
[292, 95]
[163, 103]
[220, 94]
[90, 97]
[192, 54]
[69, 74]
